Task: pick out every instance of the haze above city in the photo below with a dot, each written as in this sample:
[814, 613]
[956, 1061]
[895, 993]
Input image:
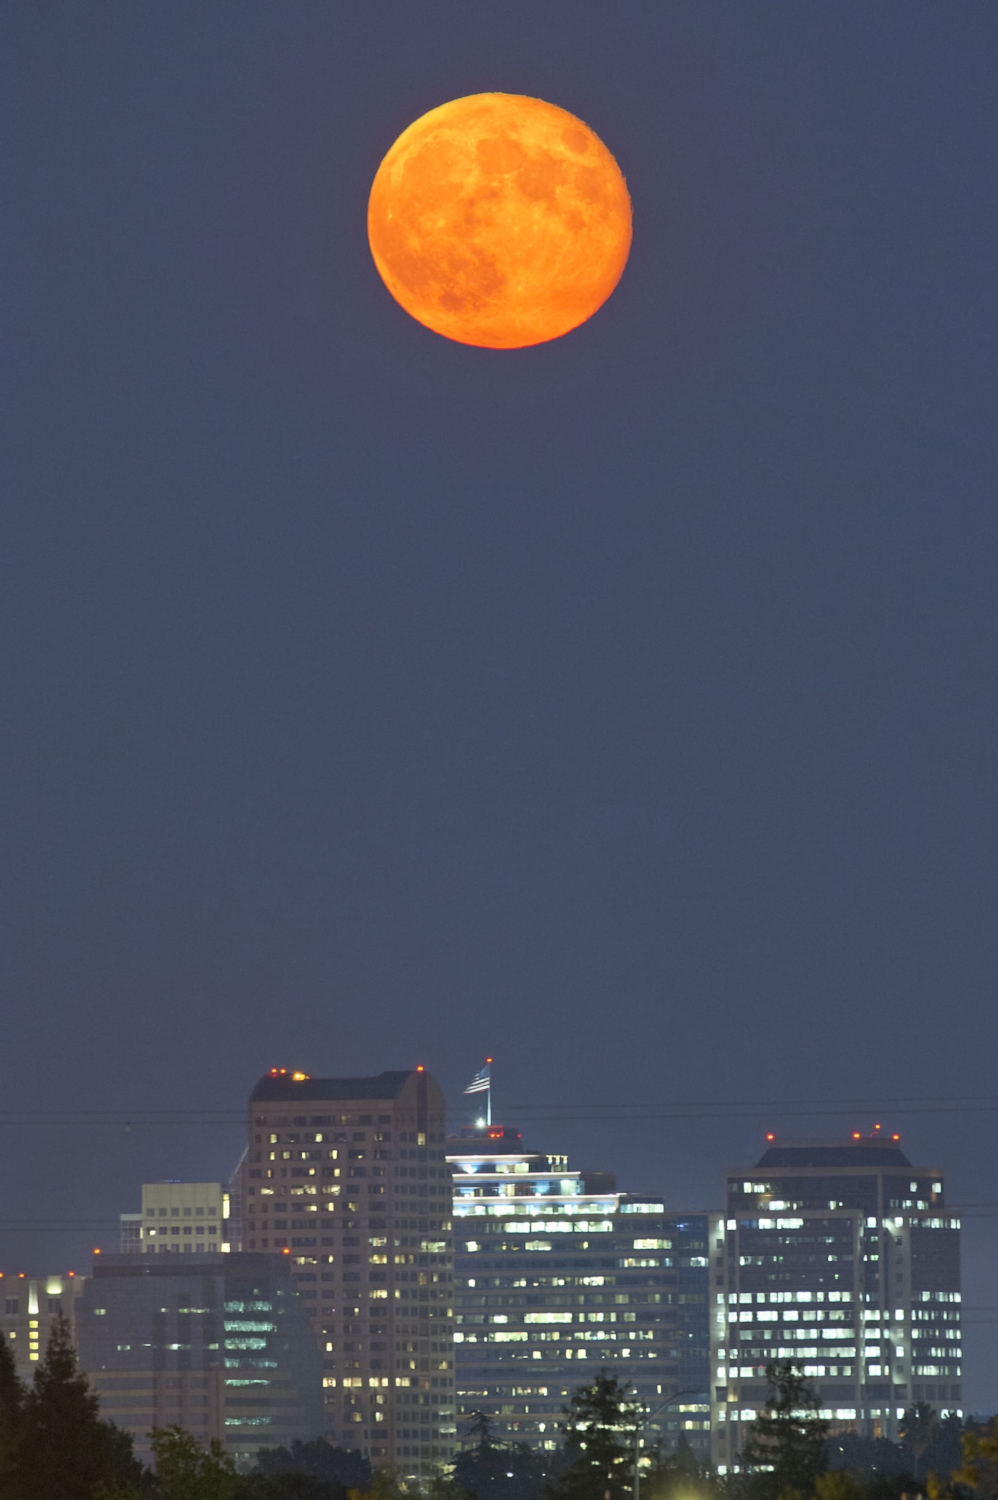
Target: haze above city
[622, 708]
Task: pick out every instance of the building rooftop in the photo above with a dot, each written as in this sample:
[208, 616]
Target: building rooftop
[204, 1263]
[497, 1140]
[281, 1085]
[863, 1151]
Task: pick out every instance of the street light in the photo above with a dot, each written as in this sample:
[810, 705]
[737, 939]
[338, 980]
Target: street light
[640, 1427]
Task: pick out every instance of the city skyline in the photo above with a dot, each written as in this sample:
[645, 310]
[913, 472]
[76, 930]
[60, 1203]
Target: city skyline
[497, 583]
[621, 704]
[287, 1080]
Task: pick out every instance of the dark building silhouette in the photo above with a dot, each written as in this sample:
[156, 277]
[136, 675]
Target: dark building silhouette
[219, 1344]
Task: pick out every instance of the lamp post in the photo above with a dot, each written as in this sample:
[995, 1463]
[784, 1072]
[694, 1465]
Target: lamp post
[640, 1427]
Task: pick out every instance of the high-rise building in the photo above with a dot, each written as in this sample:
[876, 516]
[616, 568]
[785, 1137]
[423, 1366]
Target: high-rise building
[221, 1345]
[178, 1217]
[349, 1176]
[31, 1304]
[839, 1255]
[558, 1275]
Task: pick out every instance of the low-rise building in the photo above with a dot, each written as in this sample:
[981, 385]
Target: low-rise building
[31, 1304]
[178, 1217]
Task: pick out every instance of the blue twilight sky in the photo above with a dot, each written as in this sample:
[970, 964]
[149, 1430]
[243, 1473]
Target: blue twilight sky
[624, 706]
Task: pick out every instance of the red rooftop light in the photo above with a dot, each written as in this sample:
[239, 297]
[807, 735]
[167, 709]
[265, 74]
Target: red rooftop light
[420, 1068]
[770, 1136]
[855, 1135]
[895, 1137]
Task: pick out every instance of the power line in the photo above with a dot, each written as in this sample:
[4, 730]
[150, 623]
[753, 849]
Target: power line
[29, 1226]
[121, 1117]
[768, 1112]
[631, 1110]
[845, 1099]
[66, 1223]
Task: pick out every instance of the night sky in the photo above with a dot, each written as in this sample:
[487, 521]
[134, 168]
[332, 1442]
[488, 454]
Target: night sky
[623, 706]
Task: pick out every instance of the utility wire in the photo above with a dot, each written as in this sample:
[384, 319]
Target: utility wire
[71, 1223]
[690, 1109]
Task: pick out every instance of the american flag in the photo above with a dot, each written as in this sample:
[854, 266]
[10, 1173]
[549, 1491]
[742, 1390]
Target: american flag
[481, 1082]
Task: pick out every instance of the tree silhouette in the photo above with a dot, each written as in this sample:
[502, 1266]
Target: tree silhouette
[67, 1450]
[321, 1460]
[492, 1470]
[786, 1442]
[480, 1427]
[918, 1429]
[979, 1469]
[11, 1422]
[598, 1442]
[187, 1471]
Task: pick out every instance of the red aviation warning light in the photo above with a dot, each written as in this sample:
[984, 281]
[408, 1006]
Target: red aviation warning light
[770, 1136]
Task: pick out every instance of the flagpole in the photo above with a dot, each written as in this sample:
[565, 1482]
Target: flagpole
[482, 1084]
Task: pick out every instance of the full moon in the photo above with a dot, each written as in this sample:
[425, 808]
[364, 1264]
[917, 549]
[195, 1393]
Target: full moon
[499, 220]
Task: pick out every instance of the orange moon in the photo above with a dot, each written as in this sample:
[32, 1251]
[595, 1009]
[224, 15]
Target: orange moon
[499, 220]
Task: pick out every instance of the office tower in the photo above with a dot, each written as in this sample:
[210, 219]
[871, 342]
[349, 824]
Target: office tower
[179, 1217]
[219, 1344]
[349, 1176]
[558, 1275]
[840, 1255]
[31, 1304]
